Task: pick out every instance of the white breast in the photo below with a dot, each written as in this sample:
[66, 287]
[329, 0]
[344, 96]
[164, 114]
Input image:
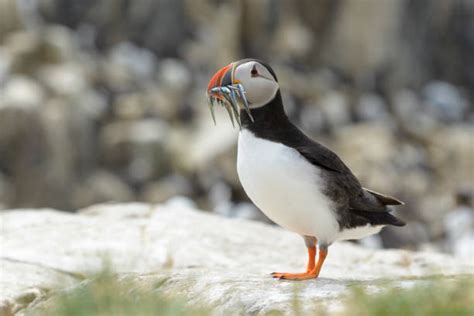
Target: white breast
[285, 187]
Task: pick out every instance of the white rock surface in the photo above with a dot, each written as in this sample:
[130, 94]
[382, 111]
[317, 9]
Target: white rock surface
[206, 258]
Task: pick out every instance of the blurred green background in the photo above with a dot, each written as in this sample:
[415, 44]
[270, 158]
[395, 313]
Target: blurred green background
[105, 101]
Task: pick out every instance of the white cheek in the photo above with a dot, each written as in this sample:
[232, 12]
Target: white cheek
[261, 91]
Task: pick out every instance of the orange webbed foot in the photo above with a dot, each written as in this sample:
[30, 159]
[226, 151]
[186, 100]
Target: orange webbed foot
[295, 276]
[312, 271]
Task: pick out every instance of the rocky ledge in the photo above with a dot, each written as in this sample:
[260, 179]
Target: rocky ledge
[205, 258]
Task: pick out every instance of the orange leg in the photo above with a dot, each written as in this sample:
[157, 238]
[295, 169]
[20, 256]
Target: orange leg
[313, 269]
[311, 259]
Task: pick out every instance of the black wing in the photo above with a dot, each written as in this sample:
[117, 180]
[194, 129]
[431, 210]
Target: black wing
[342, 185]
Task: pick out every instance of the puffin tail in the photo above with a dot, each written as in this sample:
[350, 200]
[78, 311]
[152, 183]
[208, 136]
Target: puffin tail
[380, 218]
[395, 221]
[384, 199]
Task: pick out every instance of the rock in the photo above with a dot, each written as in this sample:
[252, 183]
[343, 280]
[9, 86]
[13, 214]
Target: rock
[5, 64]
[174, 75]
[246, 210]
[68, 136]
[34, 285]
[32, 50]
[196, 148]
[458, 225]
[160, 104]
[139, 61]
[130, 106]
[11, 19]
[24, 48]
[225, 46]
[64, 80]
[371, 107]
[406, 105]
[294, 40]
[312, 119]
[139, 148]
[444, 101]
[409, 111]
[378, 21]
[308, 87]
[22, 141]
[375, 147]
[220, 262]
[412, 236]
[220, 195]
[21, 92]
[92, 104]
[101, 187]
[166, 188]
[335, 109]
[452, 146]
[5, 192]
[180, 202]
[62, 44]
[174, 82]
[126, 66]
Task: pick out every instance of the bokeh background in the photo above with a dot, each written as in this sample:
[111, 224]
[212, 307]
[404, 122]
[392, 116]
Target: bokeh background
[105, 101]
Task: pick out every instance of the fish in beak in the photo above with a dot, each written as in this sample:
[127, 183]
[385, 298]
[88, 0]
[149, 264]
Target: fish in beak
[227, 92]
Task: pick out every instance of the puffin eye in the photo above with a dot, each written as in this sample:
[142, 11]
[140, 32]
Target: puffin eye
[254, 71]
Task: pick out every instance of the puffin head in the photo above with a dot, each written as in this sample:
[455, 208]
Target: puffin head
[245, 84]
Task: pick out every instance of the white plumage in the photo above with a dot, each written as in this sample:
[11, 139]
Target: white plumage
[288, 189]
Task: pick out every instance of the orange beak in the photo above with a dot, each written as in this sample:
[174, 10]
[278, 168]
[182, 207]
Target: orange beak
[227, 92]
[222, 77]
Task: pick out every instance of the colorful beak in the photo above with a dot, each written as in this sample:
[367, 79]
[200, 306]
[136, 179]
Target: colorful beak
[223, 90]
[223, 77]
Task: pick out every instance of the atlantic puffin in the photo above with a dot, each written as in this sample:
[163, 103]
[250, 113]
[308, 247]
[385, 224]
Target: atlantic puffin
[298, 183]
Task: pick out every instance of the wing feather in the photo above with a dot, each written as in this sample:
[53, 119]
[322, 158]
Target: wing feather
[343, 185]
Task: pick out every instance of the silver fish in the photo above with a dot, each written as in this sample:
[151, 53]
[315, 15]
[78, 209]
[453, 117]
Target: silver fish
[229, 97]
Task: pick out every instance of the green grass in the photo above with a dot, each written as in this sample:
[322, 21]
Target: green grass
[105, 295]
[437, 297]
